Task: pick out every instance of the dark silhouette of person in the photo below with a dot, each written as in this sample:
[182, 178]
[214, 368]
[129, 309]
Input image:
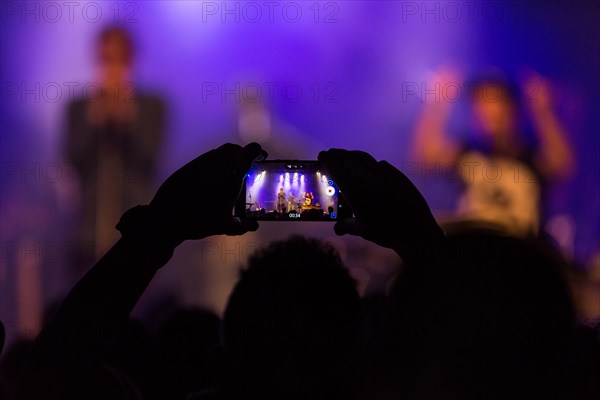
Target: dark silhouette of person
[489, 318]
[292, 325]
[67, 357]
[12, 363]
[477, 315]
[185, 351]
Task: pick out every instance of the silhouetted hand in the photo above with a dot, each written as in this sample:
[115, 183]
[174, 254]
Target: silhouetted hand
[389, 210]
[197, 200]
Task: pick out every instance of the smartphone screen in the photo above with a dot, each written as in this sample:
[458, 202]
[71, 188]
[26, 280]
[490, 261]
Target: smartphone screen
[290, 191]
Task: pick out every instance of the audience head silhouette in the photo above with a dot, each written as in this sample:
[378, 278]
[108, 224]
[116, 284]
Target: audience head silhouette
[489, 317]
[293, 317]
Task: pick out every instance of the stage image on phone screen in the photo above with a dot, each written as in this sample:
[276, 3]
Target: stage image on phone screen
[290, 191]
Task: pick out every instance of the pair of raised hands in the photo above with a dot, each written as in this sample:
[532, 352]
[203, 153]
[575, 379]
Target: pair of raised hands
[198, 198]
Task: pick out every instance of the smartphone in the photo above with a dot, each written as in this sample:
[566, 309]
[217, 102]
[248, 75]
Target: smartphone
[290, 190]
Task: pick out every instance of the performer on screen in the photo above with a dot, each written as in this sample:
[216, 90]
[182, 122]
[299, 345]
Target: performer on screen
[308, 198]
[292, 202]
[281, 201]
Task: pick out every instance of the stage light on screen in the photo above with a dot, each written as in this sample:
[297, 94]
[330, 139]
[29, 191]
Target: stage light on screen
[287, 183]
[330, 191]
[257, 180]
